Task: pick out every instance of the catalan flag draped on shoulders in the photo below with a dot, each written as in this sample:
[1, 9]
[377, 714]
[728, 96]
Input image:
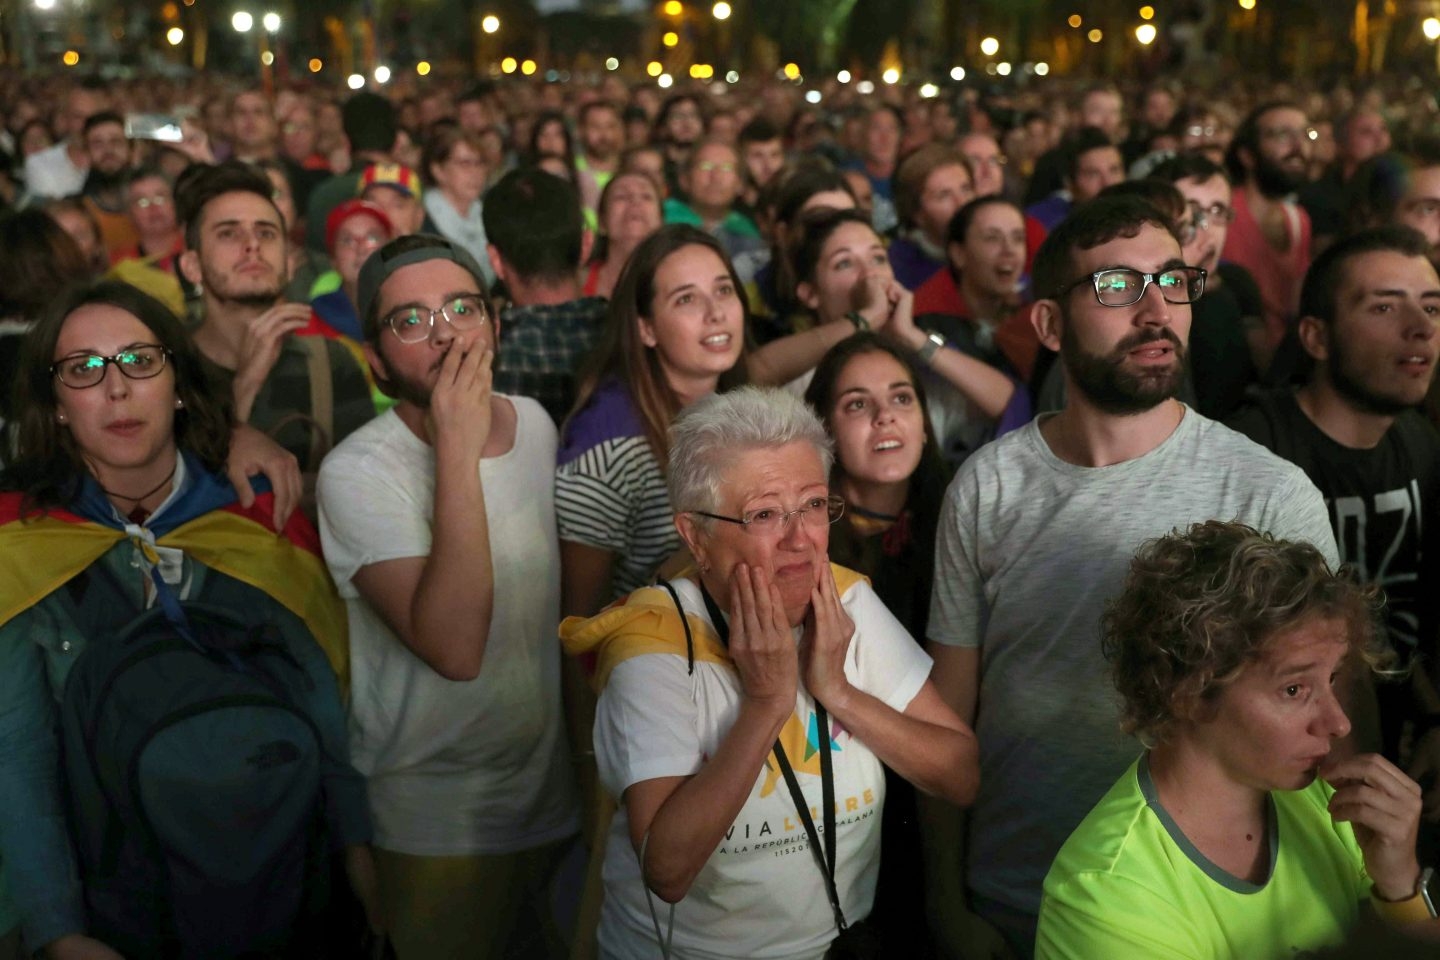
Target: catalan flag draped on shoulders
[42, 550]
[666, 708]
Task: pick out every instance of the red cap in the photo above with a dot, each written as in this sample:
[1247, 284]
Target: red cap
[349, 209]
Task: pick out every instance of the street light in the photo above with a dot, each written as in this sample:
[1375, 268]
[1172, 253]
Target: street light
[1431, 28]
[271, 22]
[355, 81]
[242, 21]
[1145, 33]
[45, 5]
[382, 74]
[957, 74]
[491, 24]
[721, 10]
[174, 36]
[989, 46]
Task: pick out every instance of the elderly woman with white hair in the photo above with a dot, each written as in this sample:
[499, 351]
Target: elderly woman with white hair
[746, 710]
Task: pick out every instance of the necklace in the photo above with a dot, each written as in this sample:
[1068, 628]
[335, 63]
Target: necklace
[872, 514]
[148, 493]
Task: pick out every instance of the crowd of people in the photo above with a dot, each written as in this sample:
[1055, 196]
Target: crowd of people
[535, 520]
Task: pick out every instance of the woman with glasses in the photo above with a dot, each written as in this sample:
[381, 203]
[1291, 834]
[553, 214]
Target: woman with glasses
[354, 230]
[114, 506]
[454, 165]
[746, 710]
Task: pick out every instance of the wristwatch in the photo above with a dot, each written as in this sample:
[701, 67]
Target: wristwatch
[861, 324]
[1420, 906]
[933, 344]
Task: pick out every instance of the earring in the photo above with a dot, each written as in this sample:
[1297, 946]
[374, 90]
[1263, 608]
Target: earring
[179, 403]
[60, 418]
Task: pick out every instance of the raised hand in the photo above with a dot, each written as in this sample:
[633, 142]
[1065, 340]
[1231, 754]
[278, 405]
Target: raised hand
[252, 452]
[870, 297]
[459, 416]
[761, 643]
[1383, 805]
[260, 348]
[826, 639]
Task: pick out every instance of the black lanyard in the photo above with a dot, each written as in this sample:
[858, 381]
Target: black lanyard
[826, 858]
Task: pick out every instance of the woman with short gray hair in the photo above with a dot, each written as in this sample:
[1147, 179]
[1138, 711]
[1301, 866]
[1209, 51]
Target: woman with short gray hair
[728, 732]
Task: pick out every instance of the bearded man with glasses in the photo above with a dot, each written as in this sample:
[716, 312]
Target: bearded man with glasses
[438, 523]
[1036, 534]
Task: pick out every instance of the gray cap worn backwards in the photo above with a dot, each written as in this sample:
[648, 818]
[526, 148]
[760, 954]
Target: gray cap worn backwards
[403, 252]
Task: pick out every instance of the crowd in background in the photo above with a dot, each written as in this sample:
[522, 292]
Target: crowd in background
[879, 373]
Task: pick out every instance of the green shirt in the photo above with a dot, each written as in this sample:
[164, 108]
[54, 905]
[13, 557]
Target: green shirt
[1128, 883]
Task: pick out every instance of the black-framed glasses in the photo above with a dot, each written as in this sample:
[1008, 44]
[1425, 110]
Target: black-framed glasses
[413, 324]
[815, 512]
[1121, 286]
[140, 361]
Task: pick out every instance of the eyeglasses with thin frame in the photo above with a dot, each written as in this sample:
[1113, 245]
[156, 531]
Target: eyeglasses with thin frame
[1217, 213]
[1122, 286]
[413, 324]
[816, 512]
[139, 361]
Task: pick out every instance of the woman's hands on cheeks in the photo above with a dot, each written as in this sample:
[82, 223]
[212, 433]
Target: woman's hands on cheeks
[826, 640]
[1383, 805]
[760, 641]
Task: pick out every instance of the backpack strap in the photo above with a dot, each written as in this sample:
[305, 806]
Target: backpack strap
[322, 396]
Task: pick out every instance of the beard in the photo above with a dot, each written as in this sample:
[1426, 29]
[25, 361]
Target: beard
[1274, 180]
[405, 389]
[1104, 381]
[1355, 390]
[254, 298]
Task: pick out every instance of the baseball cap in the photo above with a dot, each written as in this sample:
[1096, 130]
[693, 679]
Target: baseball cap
[404, 252]
[397, 176]
[349, 209]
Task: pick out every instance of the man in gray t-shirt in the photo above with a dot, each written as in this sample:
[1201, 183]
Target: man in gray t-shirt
[1037, 532]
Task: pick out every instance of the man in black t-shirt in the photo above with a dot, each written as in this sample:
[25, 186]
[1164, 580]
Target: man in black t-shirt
[1370, 324]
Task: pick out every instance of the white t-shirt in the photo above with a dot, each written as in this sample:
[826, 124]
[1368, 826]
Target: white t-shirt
[1029, 550]
[761, 894]
[454, 769]
[50, 174]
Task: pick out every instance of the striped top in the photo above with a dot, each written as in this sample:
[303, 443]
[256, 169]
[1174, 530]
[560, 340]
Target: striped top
[610, 490]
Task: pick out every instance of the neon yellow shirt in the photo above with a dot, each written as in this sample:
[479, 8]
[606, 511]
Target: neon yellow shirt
[1129, 884]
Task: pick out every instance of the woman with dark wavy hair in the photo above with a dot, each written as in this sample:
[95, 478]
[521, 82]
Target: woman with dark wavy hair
[114, 505]
[1238, 833]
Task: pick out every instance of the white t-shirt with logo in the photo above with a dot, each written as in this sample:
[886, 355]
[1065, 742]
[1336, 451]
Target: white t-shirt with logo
[761, 895]
[454, 769]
